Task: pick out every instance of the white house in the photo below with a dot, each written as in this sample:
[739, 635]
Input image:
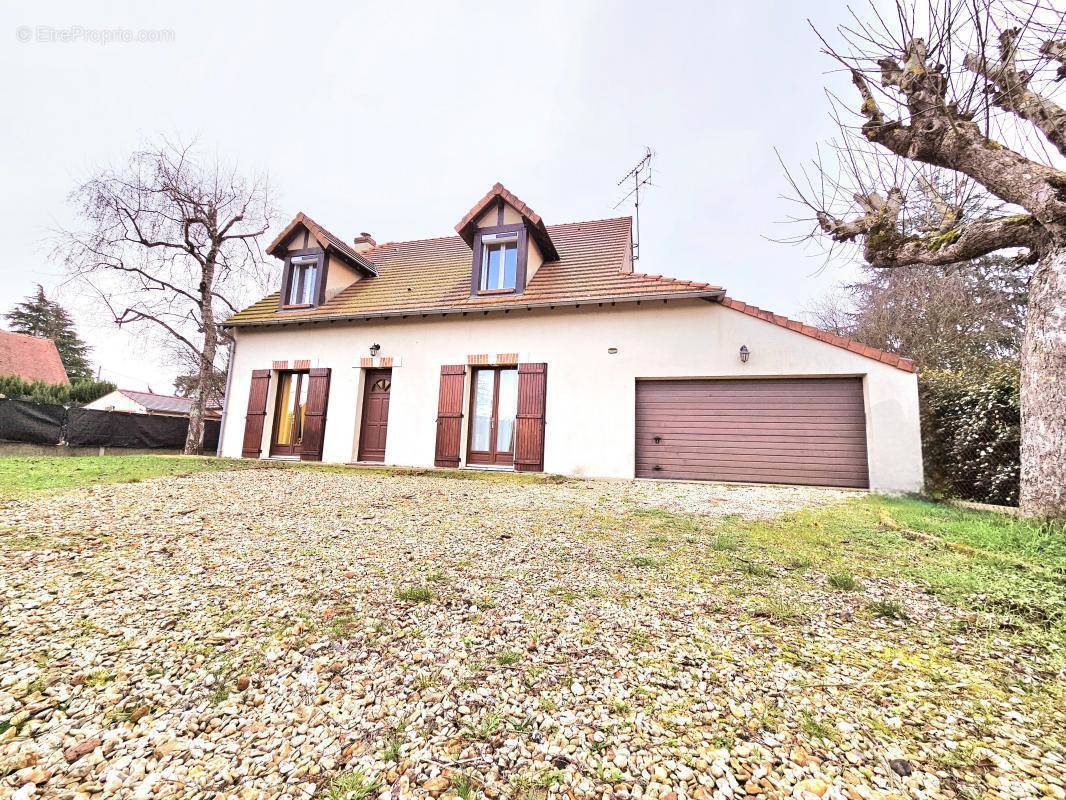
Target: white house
[520, 345]
[146, 403]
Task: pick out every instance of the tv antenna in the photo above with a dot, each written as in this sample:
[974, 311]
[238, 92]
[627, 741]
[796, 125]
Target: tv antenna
[640, 175]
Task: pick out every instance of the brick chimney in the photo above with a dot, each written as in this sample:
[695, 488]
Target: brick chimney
[364, 241]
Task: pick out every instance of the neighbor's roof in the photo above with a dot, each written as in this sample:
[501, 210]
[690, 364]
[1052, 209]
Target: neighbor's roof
[432, 276]
[31, 358]
[162, 403]
[844, 342]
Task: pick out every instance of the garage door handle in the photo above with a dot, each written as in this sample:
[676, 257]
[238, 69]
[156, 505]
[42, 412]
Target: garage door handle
[657, 468]
[658, 440]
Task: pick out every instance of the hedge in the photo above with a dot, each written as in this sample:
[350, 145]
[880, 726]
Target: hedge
[971, 433]
[77, 393]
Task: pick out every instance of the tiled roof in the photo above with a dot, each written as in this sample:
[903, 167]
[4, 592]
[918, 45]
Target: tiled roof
[433, 276]
[328, 240]
[31, 358]
[891, 359]
[499, 190]
[162, 403]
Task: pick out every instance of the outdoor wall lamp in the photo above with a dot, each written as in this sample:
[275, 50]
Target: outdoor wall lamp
[374, 348]
[744, 354]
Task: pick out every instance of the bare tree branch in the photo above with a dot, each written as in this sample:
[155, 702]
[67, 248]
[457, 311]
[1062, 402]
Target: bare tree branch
[959, 154]
[176, 237]
[1009, 87]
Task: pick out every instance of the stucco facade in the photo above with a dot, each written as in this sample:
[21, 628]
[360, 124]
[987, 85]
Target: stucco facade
[590, 401]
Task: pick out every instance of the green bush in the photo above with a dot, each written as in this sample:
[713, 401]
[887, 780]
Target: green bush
[971, 433]
[78, 393]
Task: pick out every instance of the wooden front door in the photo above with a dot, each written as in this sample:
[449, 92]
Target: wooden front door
[375, 426]
[289, 408]
[493, 408]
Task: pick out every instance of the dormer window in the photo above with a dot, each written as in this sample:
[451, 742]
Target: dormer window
[303, 280]
[318, 265]
[509, 243]
[499, 262]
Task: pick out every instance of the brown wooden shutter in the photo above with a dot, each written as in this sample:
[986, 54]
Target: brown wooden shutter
[450, 415]
[256, 416]
[315, 414]
[529, 422]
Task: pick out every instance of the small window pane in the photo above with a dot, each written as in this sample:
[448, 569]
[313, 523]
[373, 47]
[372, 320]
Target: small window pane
[287, 393]
[507, 410]
[495, 273]
[300, 411]
[499, 266]
[310, 275]
[294, 286]
[483, 387]
[302, 284]
[510, 266]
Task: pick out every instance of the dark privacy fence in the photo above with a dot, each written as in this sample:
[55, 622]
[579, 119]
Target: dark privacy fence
[38, 423]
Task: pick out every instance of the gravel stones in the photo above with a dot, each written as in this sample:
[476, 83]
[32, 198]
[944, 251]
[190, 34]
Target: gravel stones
[255, 646]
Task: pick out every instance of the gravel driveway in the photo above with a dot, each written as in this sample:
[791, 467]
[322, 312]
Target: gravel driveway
[297, 633]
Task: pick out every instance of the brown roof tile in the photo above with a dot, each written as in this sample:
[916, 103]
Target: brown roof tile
[164, 403]
[843, 342]
[501, 191]
[433, 276]
[30, 358]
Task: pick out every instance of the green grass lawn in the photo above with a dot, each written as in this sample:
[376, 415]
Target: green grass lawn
[978, 560]
[20, 475]
[24, 475]
[1043, 544]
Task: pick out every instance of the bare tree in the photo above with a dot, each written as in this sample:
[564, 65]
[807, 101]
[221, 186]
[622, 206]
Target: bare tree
[170, 244]
[957, 151]
[965, 316]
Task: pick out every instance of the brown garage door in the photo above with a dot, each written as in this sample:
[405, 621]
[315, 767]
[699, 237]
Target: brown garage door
[807, 431]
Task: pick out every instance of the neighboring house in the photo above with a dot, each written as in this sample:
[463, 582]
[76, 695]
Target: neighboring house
[146, 403]
[526, 346]
[31, 358]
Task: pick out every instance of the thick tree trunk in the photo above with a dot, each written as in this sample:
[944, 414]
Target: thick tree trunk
[194, 439]
[1043, 368]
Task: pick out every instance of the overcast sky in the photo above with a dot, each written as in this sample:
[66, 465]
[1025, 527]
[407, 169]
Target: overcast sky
[395, 118]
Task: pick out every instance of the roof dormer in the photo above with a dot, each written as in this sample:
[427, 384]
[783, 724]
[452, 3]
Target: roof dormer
[508, 240]
[318, 264]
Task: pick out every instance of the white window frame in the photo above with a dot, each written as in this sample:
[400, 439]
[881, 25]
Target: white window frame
[497, 241]
[306, 263]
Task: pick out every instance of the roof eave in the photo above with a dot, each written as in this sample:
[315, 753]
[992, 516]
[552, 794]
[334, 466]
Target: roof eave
[703, 294]
[844, 343]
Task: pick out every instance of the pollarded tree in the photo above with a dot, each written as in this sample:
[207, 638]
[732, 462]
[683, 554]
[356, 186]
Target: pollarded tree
[958, 152]
[170, 243]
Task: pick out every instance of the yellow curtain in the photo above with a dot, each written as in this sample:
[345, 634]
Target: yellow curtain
[287, 390]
